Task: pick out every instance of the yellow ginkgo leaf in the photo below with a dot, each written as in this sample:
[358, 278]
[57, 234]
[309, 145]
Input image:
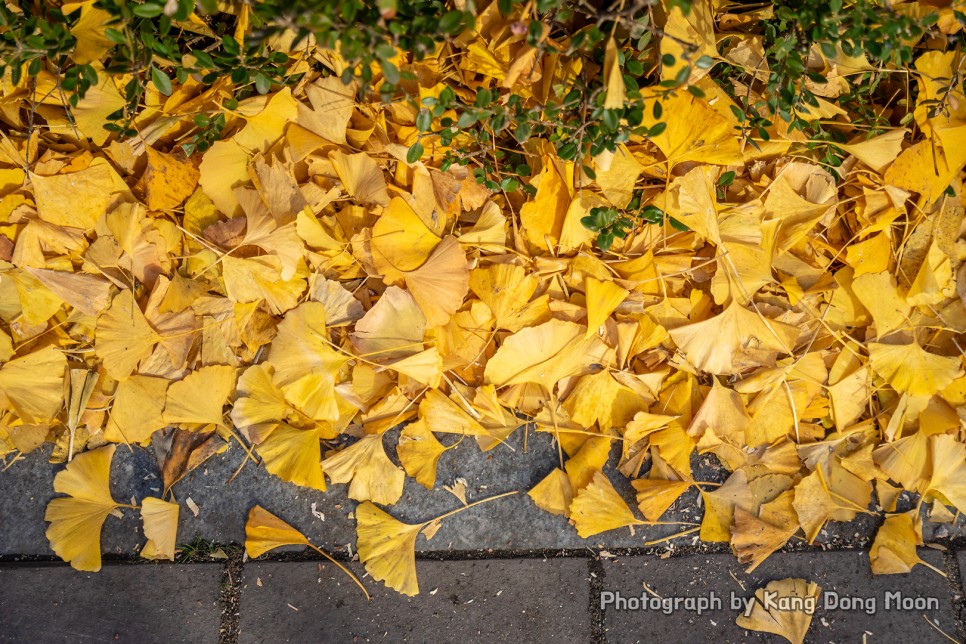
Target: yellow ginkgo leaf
[167, 180]
[598, 508]
[264, 531]
[223, 168]
[879, 151]
[90, 32]
[441, 283]
[696, 133]
[33, 385]
[506, 289]
[293, 455]
[618, 176]
[544, 354]
[266, 119]
[543, 216]
[905, 461]
[393, 328]
[123, 337]
[76, 520]
[400, 239]
[820, 497]
[948, 479]
[587, 462]
[614, 97]
[735, 340]
[332, 107]
[879, 294]
[784, 607]
[753, 540]
[425, 367]
[720, 504]
[314, 396]
[264, 231]
[443, 415]
[600, 398]
[602, 299]
[137, 410]
[160, 527]
[489, 231]
[259, 399]
[255, 279]
[367, 469]
[688, 36]
[387, 548]
[57, 201]
[655, 496]
[198, 399]
[419, 452]
[921, 168]
[554, 494]
[302, 354]
[894, 549]
[88, 294]
[911, 369]
[341, 308]
[361, 176]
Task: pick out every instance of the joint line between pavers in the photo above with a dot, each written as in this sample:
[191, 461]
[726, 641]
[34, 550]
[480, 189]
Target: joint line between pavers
[595, 574]
[957, 595]
[229, 598]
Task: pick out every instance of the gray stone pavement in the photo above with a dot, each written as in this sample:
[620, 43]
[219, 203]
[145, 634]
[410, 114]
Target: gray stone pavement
[489, 582]
[122, 603]
[553, 598]
[510, 524]
[855, 605]
[494, 600]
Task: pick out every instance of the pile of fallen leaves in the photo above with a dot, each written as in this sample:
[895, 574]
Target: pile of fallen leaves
[300, 288]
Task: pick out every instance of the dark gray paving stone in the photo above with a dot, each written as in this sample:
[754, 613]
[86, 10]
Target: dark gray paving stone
[846, 573]
[121, 603]
[506, 600]
[224, 499]
[28, 485]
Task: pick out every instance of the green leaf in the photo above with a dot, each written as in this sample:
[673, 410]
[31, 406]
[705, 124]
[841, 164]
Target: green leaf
[727, 178]
[415, 152]
[605, 240]
[424, 120]
[610, 119]
[262, 83]
[652, 215]
[147, 10]
[451, 23]
[115, 36]
[568, 152]
[677, 224]
[161, 81]
[390, 71]
[466, 120]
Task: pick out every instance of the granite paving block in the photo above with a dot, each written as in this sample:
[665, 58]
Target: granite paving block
[881, 608]
[225, 488]
[507, 600]
[140, 604]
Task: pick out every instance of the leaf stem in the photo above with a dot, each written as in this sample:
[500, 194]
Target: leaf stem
[467, 507]
[343, 569]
